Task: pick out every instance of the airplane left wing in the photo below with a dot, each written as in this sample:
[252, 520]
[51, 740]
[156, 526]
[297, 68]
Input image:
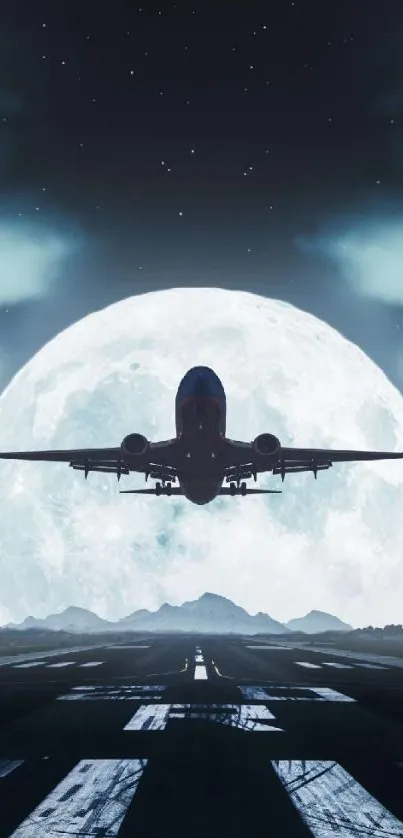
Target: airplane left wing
[157, 460]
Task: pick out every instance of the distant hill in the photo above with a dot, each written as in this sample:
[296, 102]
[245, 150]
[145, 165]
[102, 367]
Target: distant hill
[210, 613]
[72, 619]
[316, 622]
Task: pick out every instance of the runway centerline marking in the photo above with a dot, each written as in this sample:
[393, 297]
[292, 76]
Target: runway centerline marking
[91, 800]
[60, 665]
[337, 665]
[330, 800]
[308, 665]
[200, 673]
[90, 663]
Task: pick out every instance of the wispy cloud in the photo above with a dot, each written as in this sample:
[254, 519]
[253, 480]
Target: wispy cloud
[30, 259]
[369, 255]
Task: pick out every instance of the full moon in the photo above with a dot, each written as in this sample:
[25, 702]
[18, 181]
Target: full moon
[334, 544]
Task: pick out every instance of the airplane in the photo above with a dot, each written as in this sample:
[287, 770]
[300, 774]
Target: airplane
[201, 457]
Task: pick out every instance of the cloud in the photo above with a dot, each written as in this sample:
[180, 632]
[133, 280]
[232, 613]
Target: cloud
[30, 258]
[369, 255]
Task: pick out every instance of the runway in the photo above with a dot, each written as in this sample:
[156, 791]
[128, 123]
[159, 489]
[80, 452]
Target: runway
[201, 736]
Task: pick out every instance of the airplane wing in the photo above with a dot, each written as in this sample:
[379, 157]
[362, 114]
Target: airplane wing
[306, 459]
[158, 461]
[242, 460]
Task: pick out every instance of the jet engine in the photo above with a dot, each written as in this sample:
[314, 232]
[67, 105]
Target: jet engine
[266, 445]
[134, 445]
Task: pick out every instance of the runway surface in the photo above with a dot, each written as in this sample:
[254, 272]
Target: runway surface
[201, 736]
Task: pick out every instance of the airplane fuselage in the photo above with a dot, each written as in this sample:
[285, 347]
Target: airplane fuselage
[200, 418]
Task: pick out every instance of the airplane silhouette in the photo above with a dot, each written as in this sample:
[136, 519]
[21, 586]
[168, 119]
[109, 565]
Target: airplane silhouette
[200, 457]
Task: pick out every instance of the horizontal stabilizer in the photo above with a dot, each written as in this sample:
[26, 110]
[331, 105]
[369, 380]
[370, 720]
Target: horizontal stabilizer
[176, 490]
[227, 491]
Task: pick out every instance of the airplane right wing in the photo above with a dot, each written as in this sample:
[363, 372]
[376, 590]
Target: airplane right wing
[265, 453]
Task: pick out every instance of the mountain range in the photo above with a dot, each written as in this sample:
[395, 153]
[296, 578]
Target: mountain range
[210, 613]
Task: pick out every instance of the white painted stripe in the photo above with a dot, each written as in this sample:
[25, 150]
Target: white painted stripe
[331, 695]
[267, 647]
[337, 665]
[199, 659]
[308, 665]
[30, 656]
[27, 665]
[371, 666]
[149, 717]
[59, 665]
[200, 673]
[384, 660]
[250, 717]
[92, 800]
[90, 663]
[116, 646]
[331, 801]
[9, 765]
[315, 694]
[114, 693]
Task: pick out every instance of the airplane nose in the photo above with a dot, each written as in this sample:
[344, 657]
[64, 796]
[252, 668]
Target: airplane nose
[201, 386]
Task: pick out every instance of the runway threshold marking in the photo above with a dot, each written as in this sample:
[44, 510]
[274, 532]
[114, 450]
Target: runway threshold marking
[274, 693]
[91, 800]
[103, 692]
[330, 800]
[249, 717]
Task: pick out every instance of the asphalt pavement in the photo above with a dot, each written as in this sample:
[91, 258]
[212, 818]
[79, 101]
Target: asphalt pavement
[201, 736]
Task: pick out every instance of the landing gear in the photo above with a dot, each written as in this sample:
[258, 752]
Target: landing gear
[237, 488]
[163, 488]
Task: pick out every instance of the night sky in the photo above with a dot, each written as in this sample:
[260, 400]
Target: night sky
[145, 147]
